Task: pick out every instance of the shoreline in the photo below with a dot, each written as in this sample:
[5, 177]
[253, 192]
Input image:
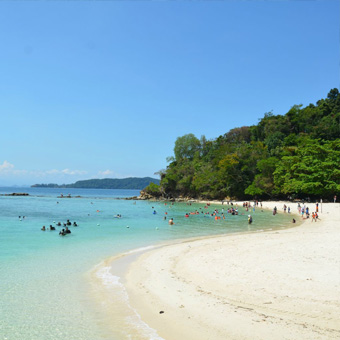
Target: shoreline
[243, 286]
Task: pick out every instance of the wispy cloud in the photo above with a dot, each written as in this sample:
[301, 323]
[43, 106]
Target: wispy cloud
[106, 173]
[6, 168]
[73, 172]
[52, 172]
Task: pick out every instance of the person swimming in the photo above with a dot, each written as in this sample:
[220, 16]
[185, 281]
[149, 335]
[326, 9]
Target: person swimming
[171, 221]
[43, 228]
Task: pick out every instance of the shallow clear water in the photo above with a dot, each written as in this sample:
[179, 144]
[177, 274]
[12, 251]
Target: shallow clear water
[45, 291]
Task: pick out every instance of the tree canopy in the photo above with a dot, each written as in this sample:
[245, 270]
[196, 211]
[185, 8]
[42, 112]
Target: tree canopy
[283, 156]
[186, 147]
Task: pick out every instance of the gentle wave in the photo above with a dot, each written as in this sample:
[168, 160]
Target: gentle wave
[111, 281]
[137, 250]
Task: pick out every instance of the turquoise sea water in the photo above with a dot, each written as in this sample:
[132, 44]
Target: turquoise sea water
[46, 291]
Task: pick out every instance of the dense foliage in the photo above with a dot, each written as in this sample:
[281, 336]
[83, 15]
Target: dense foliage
[296, 155]
[106, 183]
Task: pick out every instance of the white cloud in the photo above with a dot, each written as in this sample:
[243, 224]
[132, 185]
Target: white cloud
[105, 173]
[6, 167]
[73, 172]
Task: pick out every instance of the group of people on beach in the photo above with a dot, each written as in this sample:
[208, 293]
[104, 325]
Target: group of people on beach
[305, 213]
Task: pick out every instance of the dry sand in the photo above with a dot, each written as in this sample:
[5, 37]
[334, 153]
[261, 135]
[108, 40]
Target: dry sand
[272, 285]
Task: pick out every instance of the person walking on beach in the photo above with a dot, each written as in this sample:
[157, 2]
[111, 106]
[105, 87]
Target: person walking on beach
[313, 217]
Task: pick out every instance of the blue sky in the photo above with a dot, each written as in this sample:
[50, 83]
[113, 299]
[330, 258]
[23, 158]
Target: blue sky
[97, 89]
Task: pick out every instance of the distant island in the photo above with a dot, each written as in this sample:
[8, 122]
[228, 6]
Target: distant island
[106, 183]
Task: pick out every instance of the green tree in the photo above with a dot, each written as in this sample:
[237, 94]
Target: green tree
[153, 189]
[263, 184]
[186, 146]
[280, 156]
[312, 170]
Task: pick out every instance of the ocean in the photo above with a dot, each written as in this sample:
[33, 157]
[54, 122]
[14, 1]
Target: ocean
[62, 287]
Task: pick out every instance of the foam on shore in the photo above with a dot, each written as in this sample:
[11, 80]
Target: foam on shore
[118, 317]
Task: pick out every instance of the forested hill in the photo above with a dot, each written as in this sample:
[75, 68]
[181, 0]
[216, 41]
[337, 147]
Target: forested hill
[296, 155]
[106, 183]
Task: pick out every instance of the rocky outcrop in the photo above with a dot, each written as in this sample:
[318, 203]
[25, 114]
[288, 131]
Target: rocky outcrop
[133, 198]
[17, 194]
[145, 196]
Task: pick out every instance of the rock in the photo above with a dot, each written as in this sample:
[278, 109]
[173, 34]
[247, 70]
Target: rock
[17, 194]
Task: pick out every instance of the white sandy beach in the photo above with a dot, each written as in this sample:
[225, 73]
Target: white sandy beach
[267, 285]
